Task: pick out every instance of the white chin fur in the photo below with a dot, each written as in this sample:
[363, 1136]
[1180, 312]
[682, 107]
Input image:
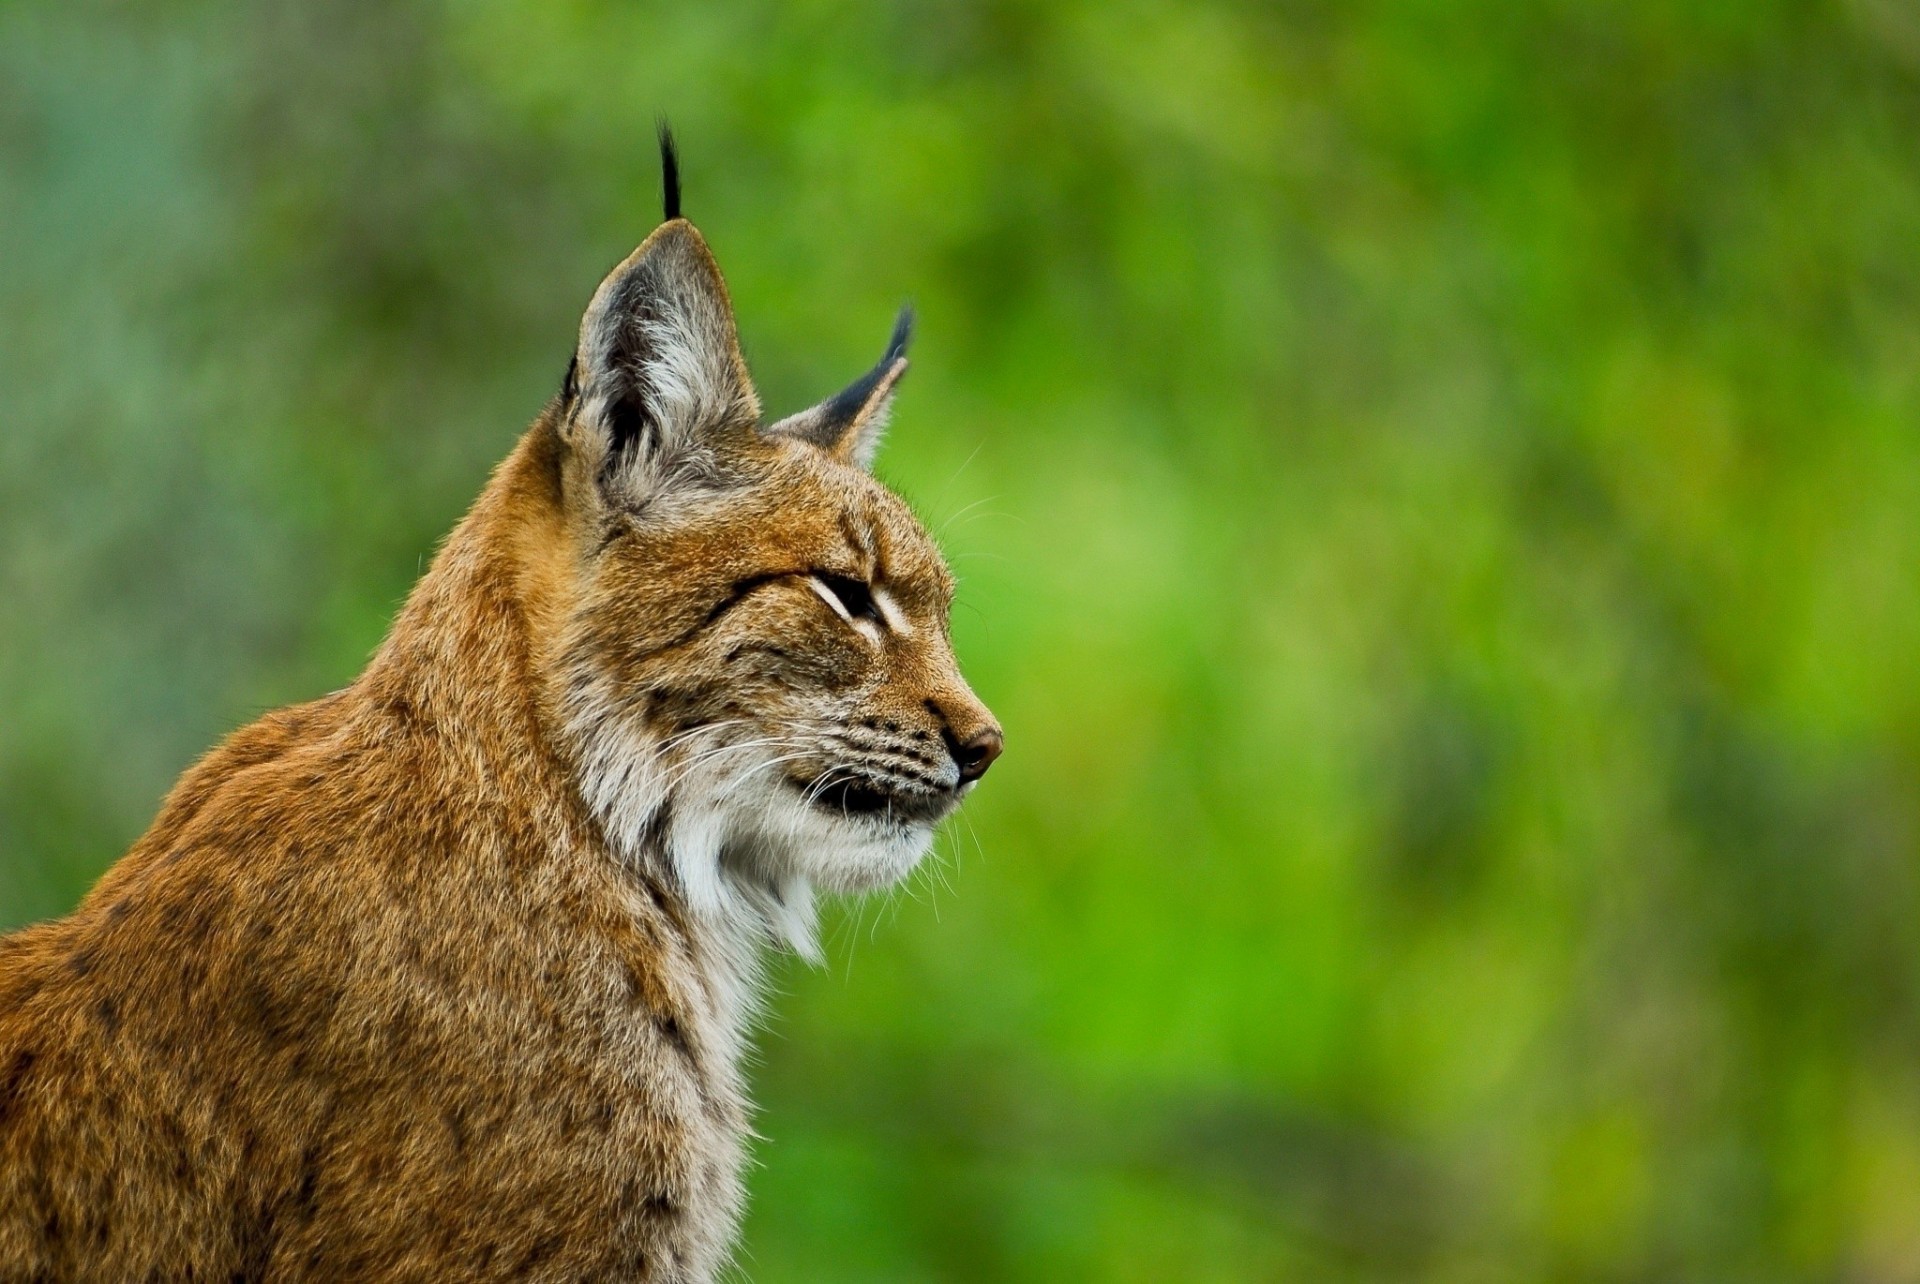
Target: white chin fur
[752, 841]
[774, 832]
[744, 845]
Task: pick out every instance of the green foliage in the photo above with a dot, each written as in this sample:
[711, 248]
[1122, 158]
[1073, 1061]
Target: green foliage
[1437, 494]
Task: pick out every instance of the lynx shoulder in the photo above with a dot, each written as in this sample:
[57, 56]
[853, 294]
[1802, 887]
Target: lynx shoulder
[447, 975]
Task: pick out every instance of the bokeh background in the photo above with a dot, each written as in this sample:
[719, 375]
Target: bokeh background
[1436, 489]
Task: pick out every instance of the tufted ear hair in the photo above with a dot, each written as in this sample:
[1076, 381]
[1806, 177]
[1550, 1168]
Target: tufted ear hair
[849, 424]
[658, 387]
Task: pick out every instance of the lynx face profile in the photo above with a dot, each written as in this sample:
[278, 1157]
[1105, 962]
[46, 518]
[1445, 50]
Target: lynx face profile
[447, 975]
[758, 667]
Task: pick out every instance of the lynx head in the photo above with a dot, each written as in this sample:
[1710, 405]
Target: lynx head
[758, 678]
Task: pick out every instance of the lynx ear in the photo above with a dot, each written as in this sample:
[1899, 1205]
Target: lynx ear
[849, 424]
[658, 384]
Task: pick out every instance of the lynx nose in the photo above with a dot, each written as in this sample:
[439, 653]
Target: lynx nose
[977, 752]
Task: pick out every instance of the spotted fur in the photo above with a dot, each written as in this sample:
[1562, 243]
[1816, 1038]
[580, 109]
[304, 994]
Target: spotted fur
[448, 975]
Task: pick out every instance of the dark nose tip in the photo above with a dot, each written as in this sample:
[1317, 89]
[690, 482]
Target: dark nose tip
[977, 752]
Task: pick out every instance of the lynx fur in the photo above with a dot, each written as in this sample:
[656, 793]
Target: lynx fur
[448, 975]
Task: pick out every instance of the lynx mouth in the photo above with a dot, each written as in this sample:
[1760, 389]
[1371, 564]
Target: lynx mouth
[855, 796]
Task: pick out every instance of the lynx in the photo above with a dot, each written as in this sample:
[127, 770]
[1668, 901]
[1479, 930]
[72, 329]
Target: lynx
[448, 975]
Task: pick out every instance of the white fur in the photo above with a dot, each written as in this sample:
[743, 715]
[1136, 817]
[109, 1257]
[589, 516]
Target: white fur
[680, 358]
[741, 844]
[832, 599]
[896, 618]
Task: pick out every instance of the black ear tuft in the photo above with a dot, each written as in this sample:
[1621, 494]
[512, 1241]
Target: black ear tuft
[844, 406]
[849, 423]
[902, 334]
[669, 171]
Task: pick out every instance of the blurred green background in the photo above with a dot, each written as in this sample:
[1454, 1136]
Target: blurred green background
[1436, 488]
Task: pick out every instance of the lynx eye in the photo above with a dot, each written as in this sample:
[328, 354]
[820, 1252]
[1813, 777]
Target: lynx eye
[853, 598]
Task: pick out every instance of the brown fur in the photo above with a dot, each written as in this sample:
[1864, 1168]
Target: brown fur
[434, 977]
